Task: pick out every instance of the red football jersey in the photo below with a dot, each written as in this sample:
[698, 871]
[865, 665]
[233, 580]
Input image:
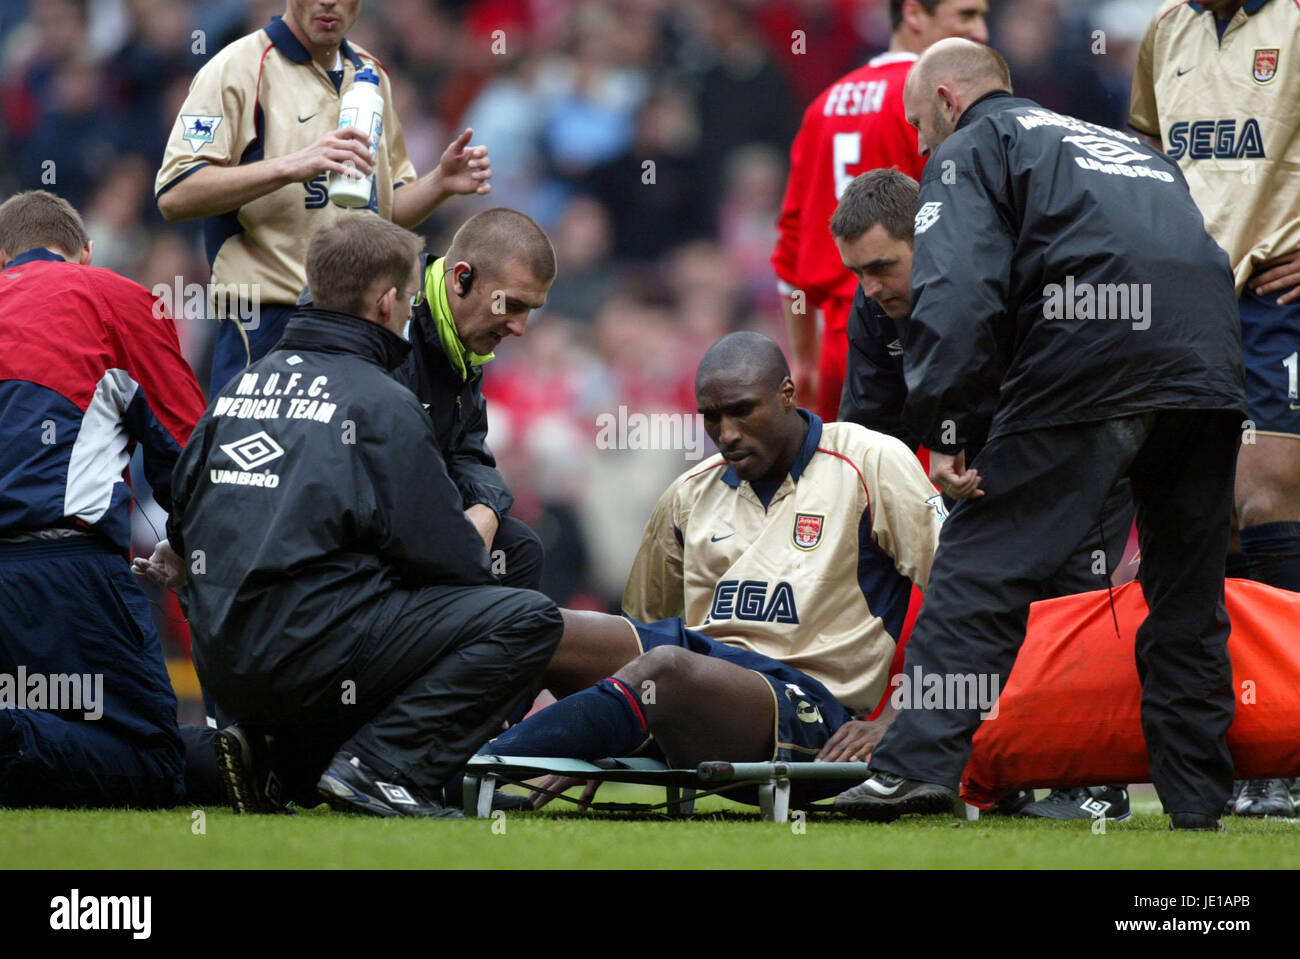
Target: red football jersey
[855, 125]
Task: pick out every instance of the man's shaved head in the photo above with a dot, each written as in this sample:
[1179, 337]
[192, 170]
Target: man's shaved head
[488, 240]
[745, 394]
[945, 81]
[746, 357]
[970, 67]
[500, 265]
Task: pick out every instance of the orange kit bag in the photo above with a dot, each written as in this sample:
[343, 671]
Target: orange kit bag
[1069, 714]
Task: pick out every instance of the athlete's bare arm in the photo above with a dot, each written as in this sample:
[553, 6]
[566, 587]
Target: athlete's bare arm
[213, 190]
[463, 169]
[801, 325]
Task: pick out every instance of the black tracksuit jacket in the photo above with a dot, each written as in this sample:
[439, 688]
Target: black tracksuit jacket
[1023, 214]
[458, 410]
[295, 524]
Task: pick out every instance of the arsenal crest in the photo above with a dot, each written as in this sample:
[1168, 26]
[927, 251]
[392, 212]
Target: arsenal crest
[1265, 64]
[808, 529]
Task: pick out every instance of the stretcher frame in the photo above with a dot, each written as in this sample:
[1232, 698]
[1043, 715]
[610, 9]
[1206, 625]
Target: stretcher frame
[683, 786]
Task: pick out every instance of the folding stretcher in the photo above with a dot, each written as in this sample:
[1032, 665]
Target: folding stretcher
[772, 780]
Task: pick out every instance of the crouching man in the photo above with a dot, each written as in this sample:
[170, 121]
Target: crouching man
[342, 604]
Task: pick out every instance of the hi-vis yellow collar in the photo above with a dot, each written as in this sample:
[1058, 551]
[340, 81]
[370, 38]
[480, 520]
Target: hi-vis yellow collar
[435, 291]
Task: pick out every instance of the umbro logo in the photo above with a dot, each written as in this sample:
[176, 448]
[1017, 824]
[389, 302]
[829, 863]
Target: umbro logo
[253, 451]
[1105, 149]
[397, 794]
[1095, 807]
[927, 216]
[895, 348]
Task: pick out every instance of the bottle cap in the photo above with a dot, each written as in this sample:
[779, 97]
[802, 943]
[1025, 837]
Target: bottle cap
[366, 75]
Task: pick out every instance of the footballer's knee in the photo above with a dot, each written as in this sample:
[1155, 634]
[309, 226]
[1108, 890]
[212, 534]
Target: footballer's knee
[662, 668]
[1260, 502]
[1267, 488]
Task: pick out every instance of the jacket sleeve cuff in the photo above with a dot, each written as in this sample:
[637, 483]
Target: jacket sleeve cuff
[496, 499]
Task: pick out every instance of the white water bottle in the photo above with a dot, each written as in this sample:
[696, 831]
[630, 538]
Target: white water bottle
[363, 108]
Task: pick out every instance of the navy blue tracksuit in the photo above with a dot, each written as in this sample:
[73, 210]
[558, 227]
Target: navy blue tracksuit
[71, 606]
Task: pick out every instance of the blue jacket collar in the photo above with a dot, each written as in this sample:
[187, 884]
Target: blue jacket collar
[36, 253]
[1250, 6]
[292, 47]
[810, 441]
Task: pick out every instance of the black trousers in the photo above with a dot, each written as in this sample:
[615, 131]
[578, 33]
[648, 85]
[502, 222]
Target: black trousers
[522, 559]
[1044, 490]
[436, 674]
[522, 554]
[1101, 549]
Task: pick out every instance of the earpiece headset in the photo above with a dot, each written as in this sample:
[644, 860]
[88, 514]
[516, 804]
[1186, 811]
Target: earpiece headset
[466, 282]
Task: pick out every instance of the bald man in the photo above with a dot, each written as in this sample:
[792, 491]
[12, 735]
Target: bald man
[1063, 279]
[764, 605]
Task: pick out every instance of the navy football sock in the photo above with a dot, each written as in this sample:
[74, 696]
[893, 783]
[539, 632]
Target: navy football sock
[601, 721]
[1273, 550]
[1236, 566]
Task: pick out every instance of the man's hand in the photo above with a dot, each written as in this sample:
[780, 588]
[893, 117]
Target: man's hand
[463, 168]
[853, 742]
[327, 154]
[164, 567]
[559, 784]
[485, 521]
[1281, 273]
[950, 474]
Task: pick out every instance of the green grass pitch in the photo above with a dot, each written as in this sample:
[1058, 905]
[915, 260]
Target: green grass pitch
[732, 836]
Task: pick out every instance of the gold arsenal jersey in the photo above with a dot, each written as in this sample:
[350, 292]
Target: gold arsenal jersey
[263, 96]
[1228, 110]
[819, 579]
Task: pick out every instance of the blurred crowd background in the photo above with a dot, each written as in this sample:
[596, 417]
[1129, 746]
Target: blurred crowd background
[572, 97]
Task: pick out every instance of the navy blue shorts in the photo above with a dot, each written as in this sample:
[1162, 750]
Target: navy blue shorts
[228, 353]
[1270, 339]
[807, 715]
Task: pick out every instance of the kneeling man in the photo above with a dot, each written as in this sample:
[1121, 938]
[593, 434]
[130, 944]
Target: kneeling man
[341, 601]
